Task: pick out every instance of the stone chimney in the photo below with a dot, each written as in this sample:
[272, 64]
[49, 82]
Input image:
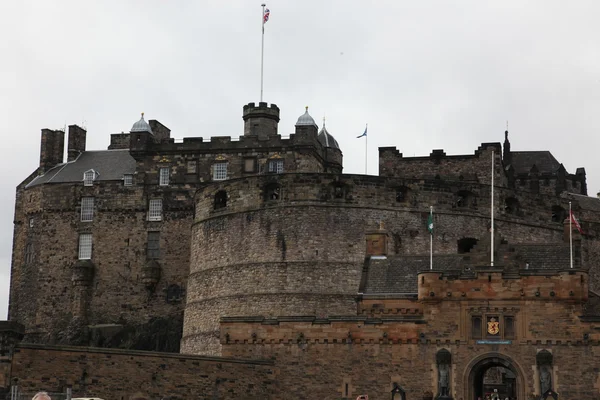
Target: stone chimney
[161, 132]
[76, 144]
[52, 149]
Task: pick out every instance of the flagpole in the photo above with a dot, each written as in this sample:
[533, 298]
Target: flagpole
[262, 50]
[571, 234]
[366, 146]
[492, 213]
[431, 239]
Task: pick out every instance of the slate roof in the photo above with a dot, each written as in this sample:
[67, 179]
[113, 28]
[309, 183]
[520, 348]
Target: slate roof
[522, 161]
[586, 202]
[398, 274]
[111, 165]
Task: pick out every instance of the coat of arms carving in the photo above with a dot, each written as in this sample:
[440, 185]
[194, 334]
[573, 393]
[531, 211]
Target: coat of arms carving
[493, 326]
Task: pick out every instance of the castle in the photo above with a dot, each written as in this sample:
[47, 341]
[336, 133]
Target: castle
[274, 275]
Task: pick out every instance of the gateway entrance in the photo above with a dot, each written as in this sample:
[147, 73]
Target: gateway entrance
[495, 377]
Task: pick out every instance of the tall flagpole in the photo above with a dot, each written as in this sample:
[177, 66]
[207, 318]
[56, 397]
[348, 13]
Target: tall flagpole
[571, 233]
[431, 239]
[366, 141]
[492, 213]
[262, 50]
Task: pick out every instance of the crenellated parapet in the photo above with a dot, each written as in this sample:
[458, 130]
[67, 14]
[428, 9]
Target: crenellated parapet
[496, 285]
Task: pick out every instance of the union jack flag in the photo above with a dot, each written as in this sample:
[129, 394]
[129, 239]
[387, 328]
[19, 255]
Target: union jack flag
[575, 222]
[266, 15]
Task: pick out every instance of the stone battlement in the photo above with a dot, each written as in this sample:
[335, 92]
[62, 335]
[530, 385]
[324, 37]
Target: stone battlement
[495, 285]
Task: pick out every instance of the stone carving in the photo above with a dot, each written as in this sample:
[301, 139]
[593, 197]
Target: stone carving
[444, 360]
[545, 378]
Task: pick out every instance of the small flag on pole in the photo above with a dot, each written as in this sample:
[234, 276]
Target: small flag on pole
[430, 222]
[364, 134]
[266, 14]
[575, 222]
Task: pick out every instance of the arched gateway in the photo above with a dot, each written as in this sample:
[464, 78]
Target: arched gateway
[494, 372]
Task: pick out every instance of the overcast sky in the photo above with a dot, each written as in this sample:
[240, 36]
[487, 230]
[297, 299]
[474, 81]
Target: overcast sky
[423, 74]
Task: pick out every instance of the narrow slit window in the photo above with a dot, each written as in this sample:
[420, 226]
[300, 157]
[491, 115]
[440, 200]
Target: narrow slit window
[476, 327]
[153, 245]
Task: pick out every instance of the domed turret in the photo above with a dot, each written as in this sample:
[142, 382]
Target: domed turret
[141, 126]
[326, 139]
[306, 120]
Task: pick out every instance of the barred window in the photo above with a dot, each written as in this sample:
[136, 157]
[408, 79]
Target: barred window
[220, 171]
[89, 177]
[191, 167]
[87, 209]
[276, 166]
[163, 177]
[155, 210]
[128, 180]
[29, 253]
[85, 246]
[153, 245]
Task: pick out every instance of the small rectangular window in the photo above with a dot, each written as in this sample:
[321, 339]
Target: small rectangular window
[476, 327]
[89, 177]
[509, 327]
[276, 166]
[163, 177]
[85, 246]
[153, 245]
[191, 166]
[128, 180]
[249, 164]
[29, 253]
[220, 171]
[155, 210]
[87, 209]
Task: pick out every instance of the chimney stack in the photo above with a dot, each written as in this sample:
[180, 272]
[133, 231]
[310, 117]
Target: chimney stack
[76, 144]
[52, 149]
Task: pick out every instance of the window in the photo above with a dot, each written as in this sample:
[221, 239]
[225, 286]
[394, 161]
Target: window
[249, 164]
[272, 192]
[465, 245]
[191, 167]
[220, 171]
[220, 199]
[153, 245]
[128, 180]
[509, 327]
[89, 177]
[163, 179]
[29, 253]
[85, 246]
[87, 209]
[476, 327]
[276, 166]
[558, 214]
[155, 210]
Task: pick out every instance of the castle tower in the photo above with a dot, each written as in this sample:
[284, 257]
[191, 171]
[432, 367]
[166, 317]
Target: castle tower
[261, 120]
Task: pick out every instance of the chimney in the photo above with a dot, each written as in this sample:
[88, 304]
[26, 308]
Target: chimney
[52, 149]
[76, 144]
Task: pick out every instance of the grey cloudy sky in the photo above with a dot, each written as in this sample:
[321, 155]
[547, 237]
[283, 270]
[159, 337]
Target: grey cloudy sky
[423, 74]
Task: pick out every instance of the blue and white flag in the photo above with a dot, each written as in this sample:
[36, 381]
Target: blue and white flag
[364, 134]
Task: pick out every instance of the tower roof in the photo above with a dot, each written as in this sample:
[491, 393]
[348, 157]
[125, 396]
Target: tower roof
[305, 119]
[327, 139]
[141, 126]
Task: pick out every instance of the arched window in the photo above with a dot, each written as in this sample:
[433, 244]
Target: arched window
[511, 205]
[402, 194]
[464, 198]
[272, 192]
[558, 214]
[465, 245]
[220, 199]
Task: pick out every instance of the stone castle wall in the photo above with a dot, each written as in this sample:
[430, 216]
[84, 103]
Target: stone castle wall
[301, 252]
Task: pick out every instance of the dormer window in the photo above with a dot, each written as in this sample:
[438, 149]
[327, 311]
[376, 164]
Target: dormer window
[127, 180]
[89, 177]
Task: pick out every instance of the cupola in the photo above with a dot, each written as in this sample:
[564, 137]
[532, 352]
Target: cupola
[326, 139]
[141, 126]
[306, 120]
